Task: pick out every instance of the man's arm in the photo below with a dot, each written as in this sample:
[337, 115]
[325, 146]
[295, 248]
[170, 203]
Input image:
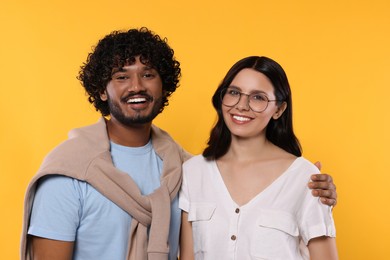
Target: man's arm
[322, 186]
[48, 249]
[54, 218]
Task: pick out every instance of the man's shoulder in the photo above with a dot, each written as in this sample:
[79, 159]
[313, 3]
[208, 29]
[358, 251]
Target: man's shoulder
[83, 145]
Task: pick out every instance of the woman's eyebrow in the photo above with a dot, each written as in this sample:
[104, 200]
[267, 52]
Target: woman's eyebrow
[235, 87]
[250, 92]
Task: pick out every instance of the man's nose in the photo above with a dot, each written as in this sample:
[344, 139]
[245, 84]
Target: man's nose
[136, 84]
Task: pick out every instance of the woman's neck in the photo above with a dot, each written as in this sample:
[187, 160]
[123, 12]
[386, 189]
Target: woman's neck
[248, 148]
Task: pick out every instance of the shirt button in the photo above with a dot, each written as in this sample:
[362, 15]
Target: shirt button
[237, 210]
[233, 237]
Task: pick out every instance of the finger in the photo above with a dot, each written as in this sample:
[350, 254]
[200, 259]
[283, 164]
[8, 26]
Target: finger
[326, 194]
[322, 185]
[318, 165]
[321, 177]
[316, 193]
[329, 202]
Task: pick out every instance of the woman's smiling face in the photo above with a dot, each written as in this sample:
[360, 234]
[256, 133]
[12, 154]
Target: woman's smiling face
[241, 120]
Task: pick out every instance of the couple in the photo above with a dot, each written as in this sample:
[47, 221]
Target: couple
[111, 190]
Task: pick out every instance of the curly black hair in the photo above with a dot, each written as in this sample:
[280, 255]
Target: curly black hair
[119, 48]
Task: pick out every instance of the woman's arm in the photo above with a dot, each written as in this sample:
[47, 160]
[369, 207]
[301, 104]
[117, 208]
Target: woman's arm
[186, 241]
[323, 248]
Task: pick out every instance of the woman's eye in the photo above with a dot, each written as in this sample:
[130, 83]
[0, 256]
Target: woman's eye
[233, 92]
[259, 97]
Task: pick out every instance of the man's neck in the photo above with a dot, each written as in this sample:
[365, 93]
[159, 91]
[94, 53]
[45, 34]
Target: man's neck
[132, 136]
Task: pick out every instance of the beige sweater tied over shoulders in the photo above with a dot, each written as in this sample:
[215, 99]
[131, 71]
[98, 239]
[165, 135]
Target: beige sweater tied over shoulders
[86, 156]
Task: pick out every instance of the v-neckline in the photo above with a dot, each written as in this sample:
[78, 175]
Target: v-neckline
[258, 195]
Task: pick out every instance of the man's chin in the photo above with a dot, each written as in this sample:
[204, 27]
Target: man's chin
[136, 120]
[134, 117]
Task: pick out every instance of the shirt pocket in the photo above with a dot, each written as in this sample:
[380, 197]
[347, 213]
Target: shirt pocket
[200, 215]
[276, 236]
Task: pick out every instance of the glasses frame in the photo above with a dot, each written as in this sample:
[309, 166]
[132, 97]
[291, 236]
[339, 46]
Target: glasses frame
[223, 93]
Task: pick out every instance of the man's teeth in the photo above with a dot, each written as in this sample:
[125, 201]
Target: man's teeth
[136, 100]
[240, 118]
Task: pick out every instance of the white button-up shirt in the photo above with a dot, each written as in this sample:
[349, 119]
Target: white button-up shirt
[273, 225]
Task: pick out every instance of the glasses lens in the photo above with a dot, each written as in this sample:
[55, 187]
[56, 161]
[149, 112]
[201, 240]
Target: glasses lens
[230, 97]
[258, 102]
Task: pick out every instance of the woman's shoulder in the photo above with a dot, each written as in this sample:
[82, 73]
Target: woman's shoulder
[294, 162]
[196, 160]
[304, 162]
[303, 166]
[198, 166]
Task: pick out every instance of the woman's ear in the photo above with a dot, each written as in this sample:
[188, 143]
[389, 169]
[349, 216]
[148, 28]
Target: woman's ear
[103, 96]
[280, 111]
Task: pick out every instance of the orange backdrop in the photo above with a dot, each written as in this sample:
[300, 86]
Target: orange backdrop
[336, 54]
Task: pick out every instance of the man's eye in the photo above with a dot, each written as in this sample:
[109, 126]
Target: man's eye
[121, 77]
[148, 75]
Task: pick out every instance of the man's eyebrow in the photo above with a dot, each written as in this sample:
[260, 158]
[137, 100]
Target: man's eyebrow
[147, 67]
[123, 69]
[120, 69]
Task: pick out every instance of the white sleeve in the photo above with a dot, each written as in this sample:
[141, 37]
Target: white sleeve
[315, 219]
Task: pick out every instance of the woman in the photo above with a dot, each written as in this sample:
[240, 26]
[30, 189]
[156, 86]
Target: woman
[247, 196]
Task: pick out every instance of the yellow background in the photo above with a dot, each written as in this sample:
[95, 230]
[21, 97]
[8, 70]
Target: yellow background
[336, 54]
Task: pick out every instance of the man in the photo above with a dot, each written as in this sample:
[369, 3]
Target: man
[110, 190]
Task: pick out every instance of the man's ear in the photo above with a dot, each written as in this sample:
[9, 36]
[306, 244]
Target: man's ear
[280, 111]
[103, 96]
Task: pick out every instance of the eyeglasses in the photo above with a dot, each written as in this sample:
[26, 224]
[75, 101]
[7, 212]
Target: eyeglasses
[258, 102]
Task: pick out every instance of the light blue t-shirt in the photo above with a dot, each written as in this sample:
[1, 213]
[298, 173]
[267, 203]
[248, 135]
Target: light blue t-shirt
[71, 210]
